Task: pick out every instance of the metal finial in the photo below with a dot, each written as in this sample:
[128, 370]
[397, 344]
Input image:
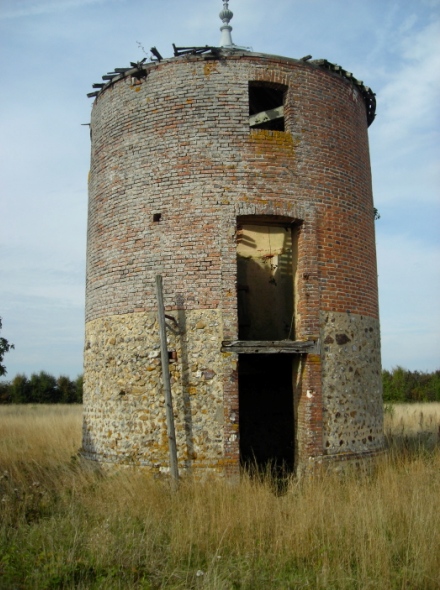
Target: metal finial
[226, 15]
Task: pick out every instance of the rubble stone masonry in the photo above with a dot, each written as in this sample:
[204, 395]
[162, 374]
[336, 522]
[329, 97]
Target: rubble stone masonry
[174, 164]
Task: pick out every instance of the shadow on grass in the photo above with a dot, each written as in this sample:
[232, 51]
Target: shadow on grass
[408, 445]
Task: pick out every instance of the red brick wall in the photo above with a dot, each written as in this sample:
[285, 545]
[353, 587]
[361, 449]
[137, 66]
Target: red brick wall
[180, 144]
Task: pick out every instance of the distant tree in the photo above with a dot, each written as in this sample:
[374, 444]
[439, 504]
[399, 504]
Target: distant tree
[4, 348]
[5, 392]
[400, 385]
[394, 385]
[66, 390]
[434, 393]
[43, 389]
[20, 391]
[69, 392]
[79, 389]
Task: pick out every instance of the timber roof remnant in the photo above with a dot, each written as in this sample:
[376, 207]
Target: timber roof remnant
[140, 70]
[367, 94]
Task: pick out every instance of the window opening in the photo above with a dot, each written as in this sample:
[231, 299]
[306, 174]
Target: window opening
[266, 106]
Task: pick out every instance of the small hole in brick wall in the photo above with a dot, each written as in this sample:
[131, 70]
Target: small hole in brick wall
[157, 217]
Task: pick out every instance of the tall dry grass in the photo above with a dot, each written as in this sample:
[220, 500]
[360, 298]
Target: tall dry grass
[419, 419]
[64, 525]
[39, 432]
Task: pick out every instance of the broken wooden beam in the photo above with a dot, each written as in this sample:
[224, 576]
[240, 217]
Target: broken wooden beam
[156, 53]
[264, 116]
[271, 346]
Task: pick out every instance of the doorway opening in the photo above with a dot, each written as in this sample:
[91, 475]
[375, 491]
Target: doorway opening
[266, 410]
[267, 255]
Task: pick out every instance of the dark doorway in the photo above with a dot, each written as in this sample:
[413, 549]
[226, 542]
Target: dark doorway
[266, 411]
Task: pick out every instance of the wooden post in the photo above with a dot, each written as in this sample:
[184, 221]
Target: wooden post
[166, 383]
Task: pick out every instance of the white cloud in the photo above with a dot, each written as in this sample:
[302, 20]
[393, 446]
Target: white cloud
[405, 137]
[22, 8]
[409, 100]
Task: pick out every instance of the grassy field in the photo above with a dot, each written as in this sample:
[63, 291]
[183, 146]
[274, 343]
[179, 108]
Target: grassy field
[65, 525]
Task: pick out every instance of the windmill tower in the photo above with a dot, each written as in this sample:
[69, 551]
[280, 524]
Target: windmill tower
[243, 179]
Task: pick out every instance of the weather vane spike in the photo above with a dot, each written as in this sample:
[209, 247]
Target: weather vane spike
[226, 15]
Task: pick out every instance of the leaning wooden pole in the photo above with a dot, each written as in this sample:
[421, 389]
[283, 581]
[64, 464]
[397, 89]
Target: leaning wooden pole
[166, 383]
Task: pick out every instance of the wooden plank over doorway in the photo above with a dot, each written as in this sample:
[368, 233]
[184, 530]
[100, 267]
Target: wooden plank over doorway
[271, 346]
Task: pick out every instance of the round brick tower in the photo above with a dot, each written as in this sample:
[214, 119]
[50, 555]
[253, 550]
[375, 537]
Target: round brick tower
[244, 180]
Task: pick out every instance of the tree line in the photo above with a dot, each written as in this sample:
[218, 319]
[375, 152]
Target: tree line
[38, 389]
[399, 385]
[42, 388]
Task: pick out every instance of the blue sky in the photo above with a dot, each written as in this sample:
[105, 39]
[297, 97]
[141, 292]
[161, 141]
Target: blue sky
[53, 50]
